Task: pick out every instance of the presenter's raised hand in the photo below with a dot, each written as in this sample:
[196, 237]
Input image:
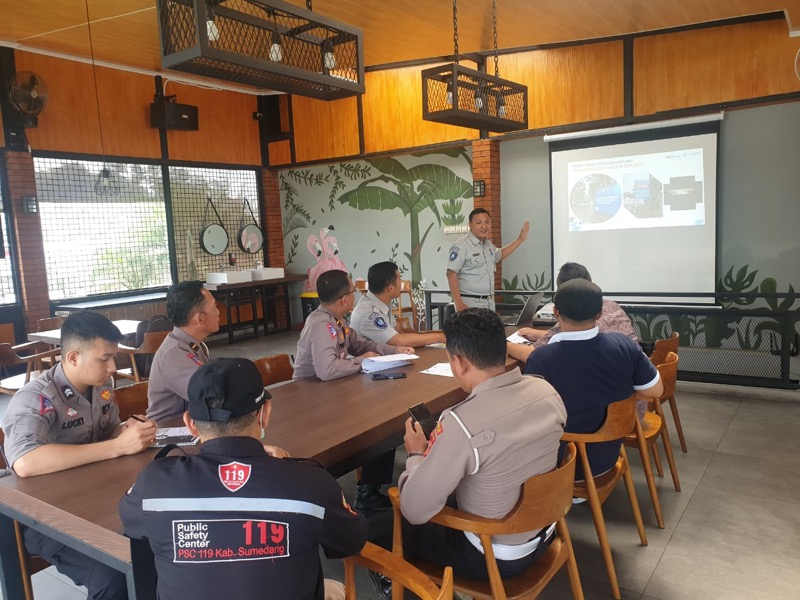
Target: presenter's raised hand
[523, 233]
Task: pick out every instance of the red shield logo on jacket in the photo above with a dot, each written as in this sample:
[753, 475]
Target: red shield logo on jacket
[234, 475]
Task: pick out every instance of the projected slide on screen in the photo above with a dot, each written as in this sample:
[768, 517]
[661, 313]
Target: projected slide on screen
[664, 189]
[641, 214]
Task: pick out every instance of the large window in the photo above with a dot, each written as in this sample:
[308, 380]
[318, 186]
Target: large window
[7, 294]
[98, 244]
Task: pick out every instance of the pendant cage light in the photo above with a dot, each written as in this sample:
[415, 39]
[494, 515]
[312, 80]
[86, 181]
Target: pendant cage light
[458, 95]
[267, 44]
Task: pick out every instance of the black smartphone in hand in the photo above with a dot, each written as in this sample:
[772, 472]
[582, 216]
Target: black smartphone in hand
[379, 376]
[423, 417]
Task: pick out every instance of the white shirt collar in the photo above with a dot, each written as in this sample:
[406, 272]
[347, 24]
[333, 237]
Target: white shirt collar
[575, 336]
[377, 302]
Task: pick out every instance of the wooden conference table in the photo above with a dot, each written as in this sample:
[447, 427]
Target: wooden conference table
[340, 423]
[53, 336]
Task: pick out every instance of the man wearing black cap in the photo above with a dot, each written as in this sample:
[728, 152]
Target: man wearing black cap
[235, 521]
[590, 369]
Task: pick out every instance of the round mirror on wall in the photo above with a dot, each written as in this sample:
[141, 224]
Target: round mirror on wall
[213, 237]
[251, 239]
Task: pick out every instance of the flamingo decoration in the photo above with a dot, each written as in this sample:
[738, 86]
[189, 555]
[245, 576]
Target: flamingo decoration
[325, 246]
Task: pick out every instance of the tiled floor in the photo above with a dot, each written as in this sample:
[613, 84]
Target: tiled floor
[731, 534]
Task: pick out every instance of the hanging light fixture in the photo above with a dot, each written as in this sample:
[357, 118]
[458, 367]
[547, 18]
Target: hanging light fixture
[105, 184]
[267, 44]
[457, 95]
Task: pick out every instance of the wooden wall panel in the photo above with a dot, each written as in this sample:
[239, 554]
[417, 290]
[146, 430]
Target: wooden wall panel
[324, 129]
[569, 85]
[715, 65]
[280, 153]
[227, 131]
[393, 113]
[69, 122]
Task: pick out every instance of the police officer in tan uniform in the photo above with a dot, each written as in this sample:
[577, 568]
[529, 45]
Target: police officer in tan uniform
[473, 260]
[372, 318]
[324, 350]
[67, 418]
[328, 348]
[194, 313]
[507, 430]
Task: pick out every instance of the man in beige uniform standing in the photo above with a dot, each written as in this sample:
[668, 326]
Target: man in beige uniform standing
[329, 349]
[483, 449]
[193, 311]
[472, 262]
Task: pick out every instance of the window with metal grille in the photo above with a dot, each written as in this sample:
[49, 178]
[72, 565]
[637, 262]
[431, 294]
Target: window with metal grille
[7, 293]
[231, 192]
[97, 244]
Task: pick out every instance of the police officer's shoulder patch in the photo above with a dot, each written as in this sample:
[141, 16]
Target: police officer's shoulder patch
[194, 359]
[332, 330]
[453, 253]
[379, 322]
[46, 405]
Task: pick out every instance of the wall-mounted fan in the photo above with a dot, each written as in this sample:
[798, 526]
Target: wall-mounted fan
[27, 93]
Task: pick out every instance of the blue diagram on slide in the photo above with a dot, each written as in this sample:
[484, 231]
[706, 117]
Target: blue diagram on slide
[595, 198]
[643, 195]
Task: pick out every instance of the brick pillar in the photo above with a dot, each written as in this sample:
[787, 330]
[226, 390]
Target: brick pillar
[273, 230]
[30, 247]
[486, 166]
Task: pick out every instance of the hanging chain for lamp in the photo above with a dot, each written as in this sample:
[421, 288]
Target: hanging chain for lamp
[106, 184]
[494, 34]
[455, 30]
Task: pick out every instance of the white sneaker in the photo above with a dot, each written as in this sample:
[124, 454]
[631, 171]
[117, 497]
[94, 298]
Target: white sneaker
[578, 500]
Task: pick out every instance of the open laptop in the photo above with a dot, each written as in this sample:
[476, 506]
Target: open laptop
[525, 317]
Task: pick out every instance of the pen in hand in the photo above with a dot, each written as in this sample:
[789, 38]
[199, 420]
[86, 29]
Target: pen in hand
[140, 419]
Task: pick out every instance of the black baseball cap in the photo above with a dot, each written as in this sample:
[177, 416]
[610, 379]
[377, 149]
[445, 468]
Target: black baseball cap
[234, 380]
[579, 300]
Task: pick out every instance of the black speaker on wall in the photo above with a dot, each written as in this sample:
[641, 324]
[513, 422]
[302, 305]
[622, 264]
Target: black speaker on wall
[171, 115]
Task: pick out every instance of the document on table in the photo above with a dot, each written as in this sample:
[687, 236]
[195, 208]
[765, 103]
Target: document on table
[390, 361]
[516, 338]
[436, 345]
[180, 436]
[442, 369]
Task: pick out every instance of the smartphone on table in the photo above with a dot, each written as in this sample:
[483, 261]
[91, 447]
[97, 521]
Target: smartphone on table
[379, 376]
[423, 418]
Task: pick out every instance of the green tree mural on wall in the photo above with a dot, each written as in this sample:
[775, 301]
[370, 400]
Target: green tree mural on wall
[411, 190]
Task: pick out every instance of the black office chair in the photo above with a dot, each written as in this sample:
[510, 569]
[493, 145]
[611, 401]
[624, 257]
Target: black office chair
[449, 311]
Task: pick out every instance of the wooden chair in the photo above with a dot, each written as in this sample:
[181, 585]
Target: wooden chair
[49, 324]
[659, 356]
[10, 357]
[545, 499]
[400, 310]
[399, 571]
[152, 342]
[361, 286]
[131, 400]
[620, 420]
[275, 369]
[664, 347]
[29, 565]
[655, 425]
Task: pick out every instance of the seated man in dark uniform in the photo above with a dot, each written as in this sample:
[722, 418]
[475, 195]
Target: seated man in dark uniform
[67, 418]
[591, 369]
[239, 519]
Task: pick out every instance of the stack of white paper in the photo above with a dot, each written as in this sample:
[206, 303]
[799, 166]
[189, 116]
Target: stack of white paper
[516, 338]
[442, 369]
[390, 361]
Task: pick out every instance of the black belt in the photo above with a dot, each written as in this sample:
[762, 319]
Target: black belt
[489, 297]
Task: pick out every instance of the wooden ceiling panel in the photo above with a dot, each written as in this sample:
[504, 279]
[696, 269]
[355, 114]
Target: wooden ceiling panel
[126, 31]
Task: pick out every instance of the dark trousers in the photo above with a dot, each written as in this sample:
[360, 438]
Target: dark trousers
[379, 470]
[103, 582]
